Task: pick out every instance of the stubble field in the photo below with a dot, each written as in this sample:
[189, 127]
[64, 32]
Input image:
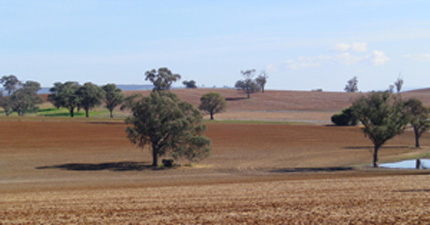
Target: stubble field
[78, 172]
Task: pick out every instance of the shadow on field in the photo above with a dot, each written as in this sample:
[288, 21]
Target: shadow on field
[312, 169]
[371, 147]
[112, 166]
[235, 98]
[414, 190]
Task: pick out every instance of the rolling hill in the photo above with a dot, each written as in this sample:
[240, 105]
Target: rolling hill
[293, 106]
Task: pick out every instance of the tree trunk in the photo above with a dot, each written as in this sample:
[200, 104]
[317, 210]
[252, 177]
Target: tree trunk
[111, 114]
[417, 137]
[375, 156]
[249, 94]
[212, 115]
[87, 113]
[72, 113]
[154, 156]
[262, 89]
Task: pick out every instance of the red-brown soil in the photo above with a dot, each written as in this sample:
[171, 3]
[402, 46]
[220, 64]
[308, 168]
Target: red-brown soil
[69, 171]
[296, 106]
[79, 171]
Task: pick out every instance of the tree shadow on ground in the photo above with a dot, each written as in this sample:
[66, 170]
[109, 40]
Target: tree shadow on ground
[235, 98]
[371, 147]
[312, 169]
[413, 190]
[112, 166]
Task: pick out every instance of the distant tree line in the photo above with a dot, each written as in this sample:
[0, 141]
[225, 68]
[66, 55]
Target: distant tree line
[352, 85]
[73, 96]
[21, 97]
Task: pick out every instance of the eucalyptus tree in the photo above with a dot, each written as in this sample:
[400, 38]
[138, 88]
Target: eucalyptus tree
[383, 118]
[90, 96]
[352, 85]
[168, 125]
[399, 84]
[418, 117]
[189, 84]
[113, 97]
[248, 85]
[262, 80]
[6, 104]
[26, 99]
[10, 83]
[162, 78]
[65, 95]
[212, 103]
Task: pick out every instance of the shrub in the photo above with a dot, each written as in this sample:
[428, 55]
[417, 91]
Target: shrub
[346, 118]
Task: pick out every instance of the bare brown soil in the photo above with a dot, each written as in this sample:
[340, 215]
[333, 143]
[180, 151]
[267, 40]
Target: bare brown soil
[296, 106]
[79, 171]
[376, 200]
[69, 171]
[271, 100]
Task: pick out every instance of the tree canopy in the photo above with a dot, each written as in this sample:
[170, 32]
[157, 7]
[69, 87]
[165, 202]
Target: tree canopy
[248, 85]
[212, 103]
[262, 80]
[162, 78]
[22, 99]
[10, 83]
[65, 95]
[352, 85]
[113, 97]
[189, 84]
[399, 84]
[25, 99]
[382, 117]
[168, 125]
[346, 118]
[90, 95]
[6, 104]
[419, 118]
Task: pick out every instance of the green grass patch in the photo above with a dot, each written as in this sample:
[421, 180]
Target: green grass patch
[62, 112]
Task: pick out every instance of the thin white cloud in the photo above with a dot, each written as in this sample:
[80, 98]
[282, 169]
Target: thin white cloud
[342, 47]
[354, 47]
[359, 47]
[350, 54]
[302, 63]
[349, 59]
[421, 57]
[379, 58]
[271, 68]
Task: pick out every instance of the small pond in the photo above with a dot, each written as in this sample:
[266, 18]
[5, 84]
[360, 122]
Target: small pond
[408, 164]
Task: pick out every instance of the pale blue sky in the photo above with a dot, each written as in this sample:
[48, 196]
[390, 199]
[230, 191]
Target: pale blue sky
[302, 45]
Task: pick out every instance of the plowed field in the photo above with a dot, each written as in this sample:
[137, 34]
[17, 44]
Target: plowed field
[376, 200]
[69, 171]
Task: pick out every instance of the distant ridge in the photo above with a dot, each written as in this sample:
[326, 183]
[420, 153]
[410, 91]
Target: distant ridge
[134, 87]
[418, 90]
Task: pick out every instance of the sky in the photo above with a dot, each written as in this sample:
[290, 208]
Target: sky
[301, 45]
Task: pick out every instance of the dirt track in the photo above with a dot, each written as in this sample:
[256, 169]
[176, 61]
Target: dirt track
[83, 172]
